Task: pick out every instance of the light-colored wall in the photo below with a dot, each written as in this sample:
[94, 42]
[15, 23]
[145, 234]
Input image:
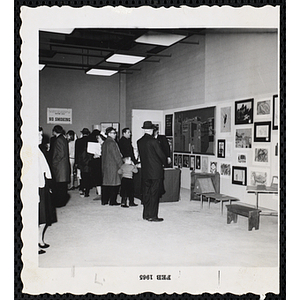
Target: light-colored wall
[93, 99]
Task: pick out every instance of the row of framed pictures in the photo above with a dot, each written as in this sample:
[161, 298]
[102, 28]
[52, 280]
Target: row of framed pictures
[244, 111]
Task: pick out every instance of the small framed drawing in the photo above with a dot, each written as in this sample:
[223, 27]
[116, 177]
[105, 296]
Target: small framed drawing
[175, 160]
[275, 112]
[262, 132]
[242, 158]
[243, 138]
[180, 161]
[258, 176]
[213, 167]
[263, 109]
[204, 166]
[225, 113]
[186, 161]
[239, 175]
[221, 148]
[198, 162]
[225, 169]
[192, 162]
[261, 155]
[244, 111]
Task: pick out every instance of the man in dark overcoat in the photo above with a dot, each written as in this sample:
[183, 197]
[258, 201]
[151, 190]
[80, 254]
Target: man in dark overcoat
[164, 145]
[125, 145]
[60, 167]
[153, 160]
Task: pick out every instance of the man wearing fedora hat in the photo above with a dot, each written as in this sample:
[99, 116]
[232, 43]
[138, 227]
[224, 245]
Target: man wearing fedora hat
[152, 167]
[82, 159]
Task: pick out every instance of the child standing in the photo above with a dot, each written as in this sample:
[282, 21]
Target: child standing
[127, 187]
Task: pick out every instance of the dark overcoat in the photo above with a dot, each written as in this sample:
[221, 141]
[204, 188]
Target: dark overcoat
[60, 160]
[111, 162]
[152, 157]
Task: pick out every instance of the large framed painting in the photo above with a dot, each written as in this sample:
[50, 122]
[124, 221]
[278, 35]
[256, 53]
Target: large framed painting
[244, 111]
[194, 131]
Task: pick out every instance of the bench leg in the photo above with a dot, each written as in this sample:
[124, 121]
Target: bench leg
[231, 217]
[253, 220]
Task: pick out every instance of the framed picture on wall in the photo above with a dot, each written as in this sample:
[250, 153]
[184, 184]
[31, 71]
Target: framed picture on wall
[186, 161]
[242, 158]
[275, 112]
[175, 160]
[244, 111]
[239, 175]
[261, 155]
[225, 117]
[258, 176]
[221, 148]
[213, 167]
[243, 138]
[192, 162]
[225, 169]
[198, 162]
[263, 109]
[262, 132]
[204, 166]
[179, 160]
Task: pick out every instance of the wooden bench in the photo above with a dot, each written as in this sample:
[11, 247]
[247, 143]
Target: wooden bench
[252, 213]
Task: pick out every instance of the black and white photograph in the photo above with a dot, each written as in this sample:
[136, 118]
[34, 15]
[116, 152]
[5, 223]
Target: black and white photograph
[244, 111]
[104, 208]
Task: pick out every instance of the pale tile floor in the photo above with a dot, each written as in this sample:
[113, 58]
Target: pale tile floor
[88, 234]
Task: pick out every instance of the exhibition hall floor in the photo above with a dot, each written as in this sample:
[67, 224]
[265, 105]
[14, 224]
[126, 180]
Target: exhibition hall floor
[89, 234]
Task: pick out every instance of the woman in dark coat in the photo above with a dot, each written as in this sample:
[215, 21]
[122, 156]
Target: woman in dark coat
[47, 212]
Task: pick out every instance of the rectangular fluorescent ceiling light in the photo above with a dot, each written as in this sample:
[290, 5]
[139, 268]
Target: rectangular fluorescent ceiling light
[161, 39]
[125, 59]
[41, 67]
[59, 30]
[101, 72]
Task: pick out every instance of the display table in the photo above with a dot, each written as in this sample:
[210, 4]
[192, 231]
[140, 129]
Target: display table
[172, 184]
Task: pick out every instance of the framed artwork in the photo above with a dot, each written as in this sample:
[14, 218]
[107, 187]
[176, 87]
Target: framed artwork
[225, 169]
[221, 148]
[244, 111]
[204, 166]
[275, 112]
[261, 155]
[213, 167]
[262, 132]
[263, 109]
[242, 158]
[192, 162]
[225, 113]
[180, 161]
[175, 160]
[194, 131]
[186, 161]
[259, 176]
[168, 125]
[198, 162]
[243, 138]
[239, 175]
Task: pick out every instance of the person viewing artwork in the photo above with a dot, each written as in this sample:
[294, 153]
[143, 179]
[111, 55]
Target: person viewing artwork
[127, 186]
[47, 212]
[111, 163]
[82, 162]
[126, 146]
[152, 168]
[96, 139]
[60, 166]
[71, 137]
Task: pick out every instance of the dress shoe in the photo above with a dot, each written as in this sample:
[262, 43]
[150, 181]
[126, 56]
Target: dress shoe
[42, 251]
[132, 204]
[155, 219]
[104, 203]
[45, 246]
[113, 204]
[97, 198]
[124, 205]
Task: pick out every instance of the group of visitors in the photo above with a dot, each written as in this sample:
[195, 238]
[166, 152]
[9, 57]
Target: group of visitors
[99, 161]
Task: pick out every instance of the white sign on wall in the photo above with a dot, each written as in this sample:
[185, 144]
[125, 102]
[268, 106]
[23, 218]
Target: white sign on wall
[59, 115]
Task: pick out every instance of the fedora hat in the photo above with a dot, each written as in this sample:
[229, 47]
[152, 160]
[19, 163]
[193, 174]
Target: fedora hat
[85, 131]
[148, 125]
